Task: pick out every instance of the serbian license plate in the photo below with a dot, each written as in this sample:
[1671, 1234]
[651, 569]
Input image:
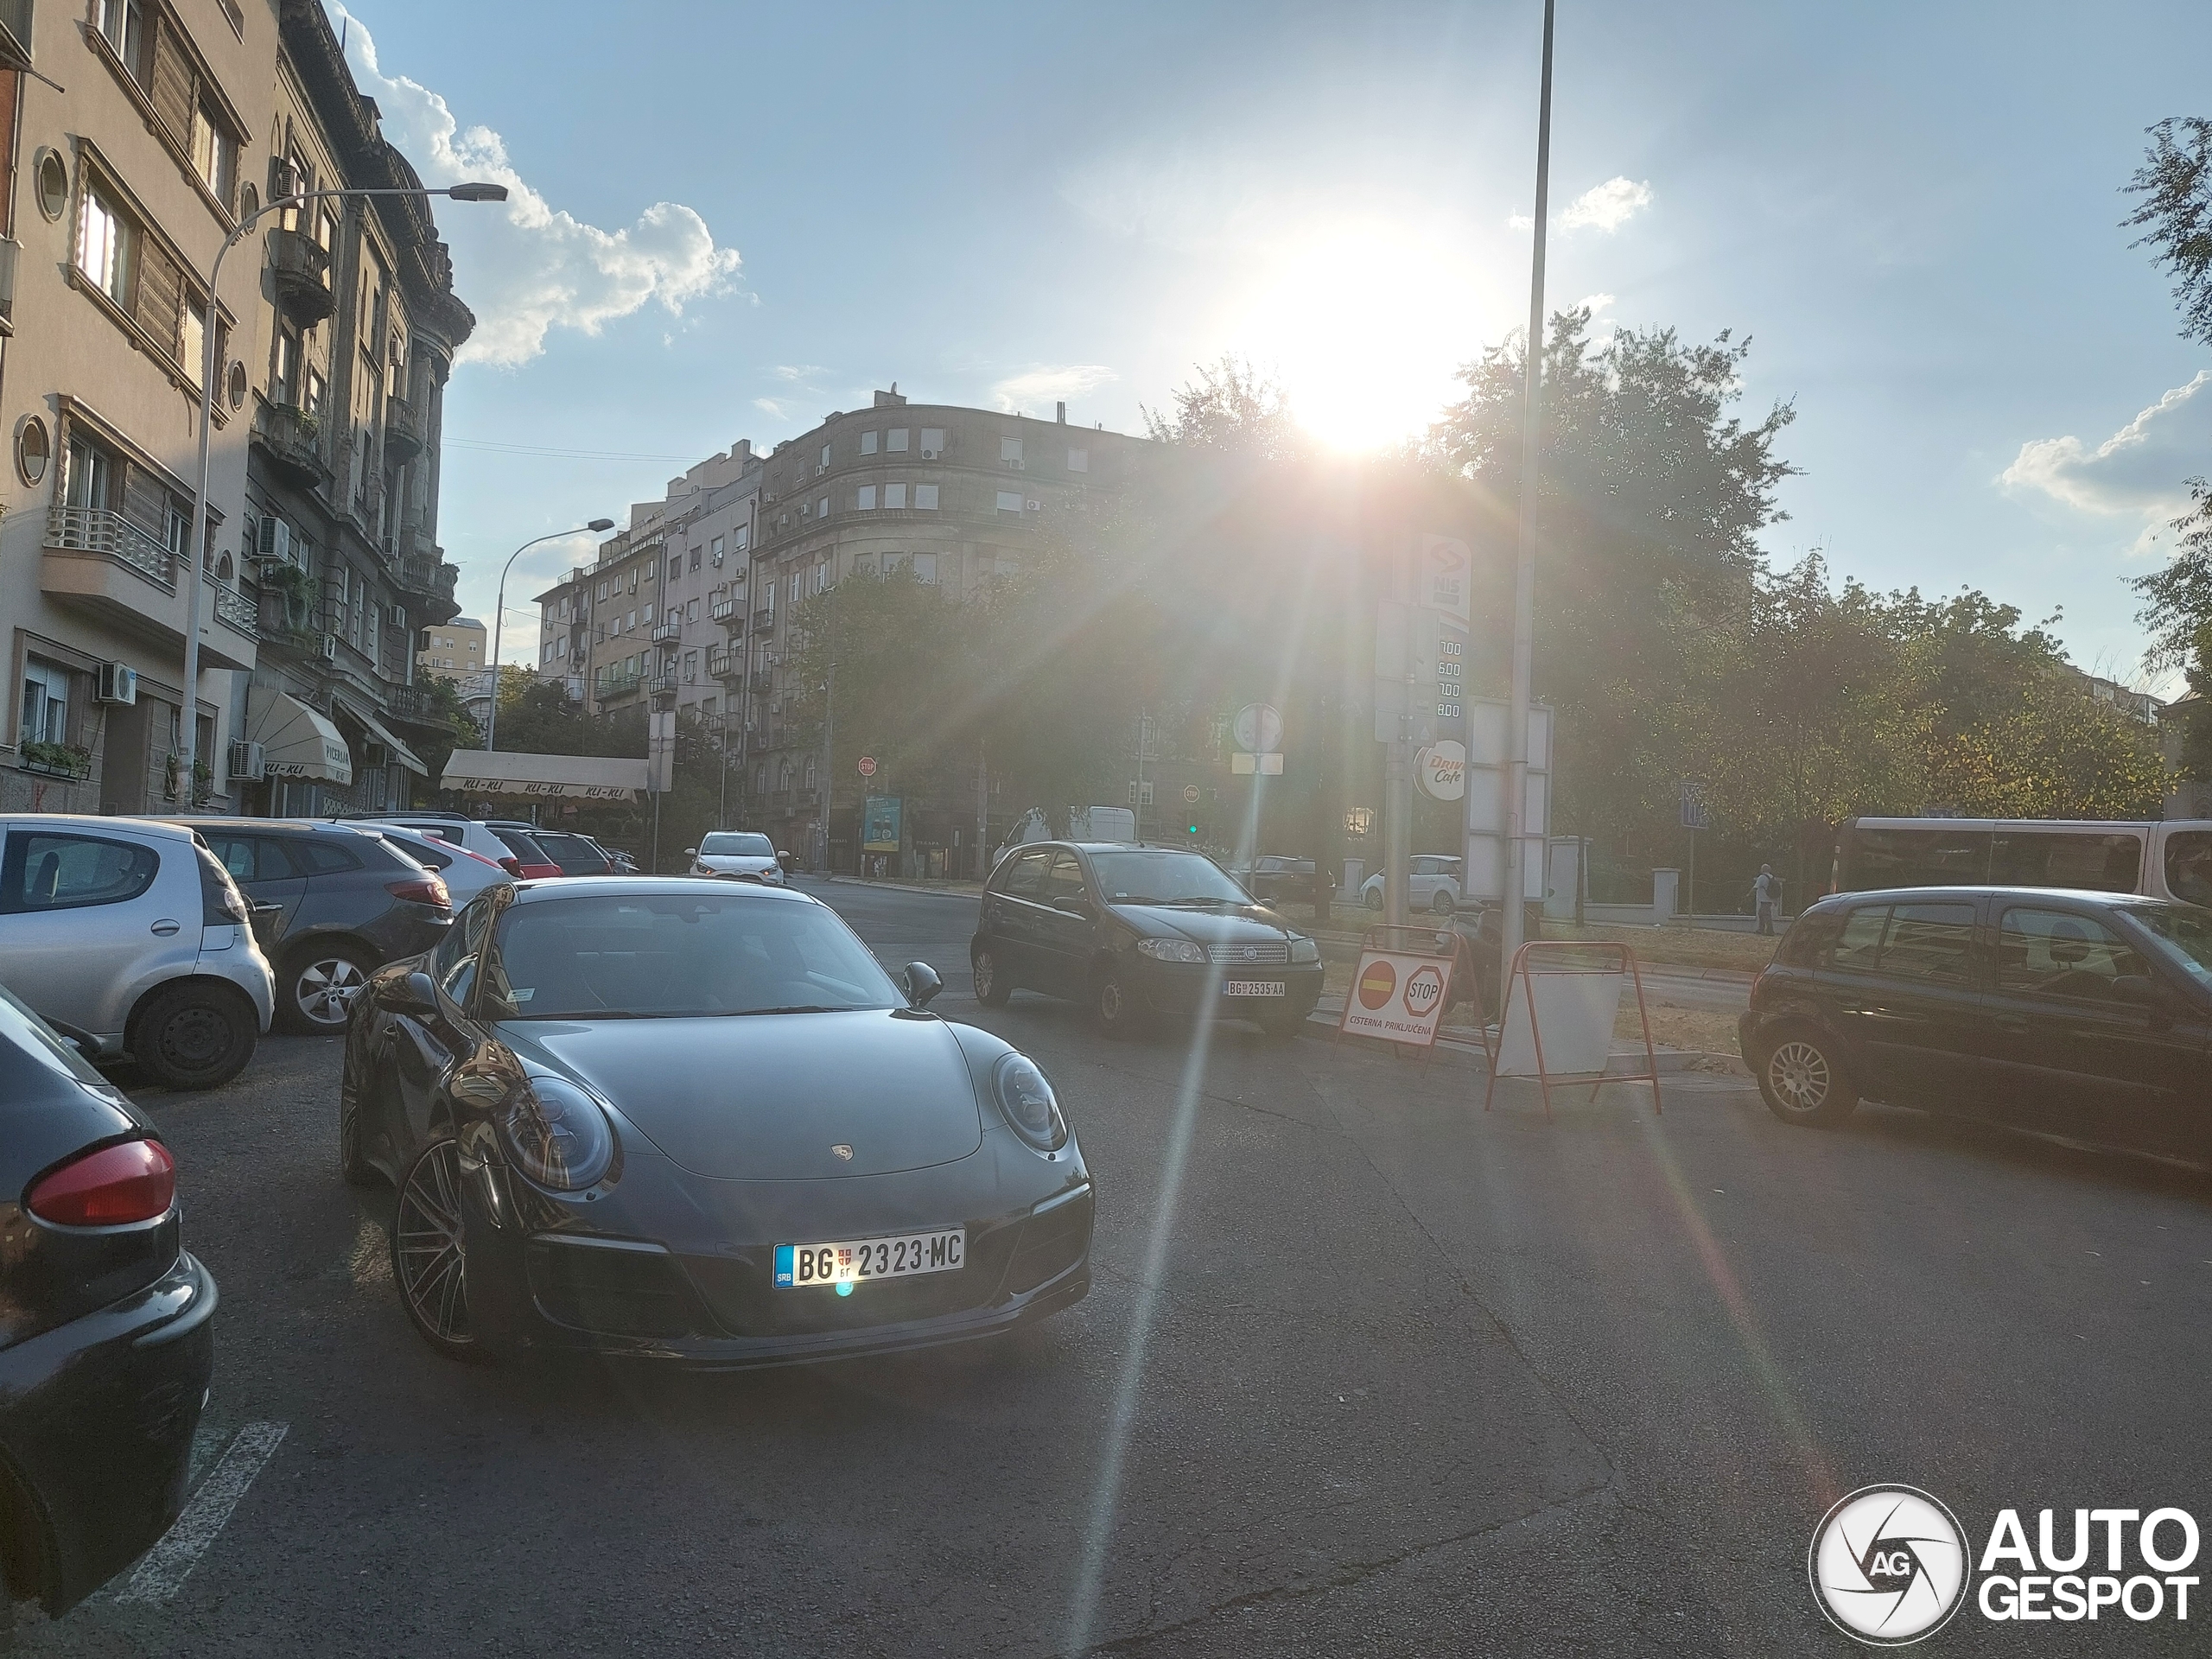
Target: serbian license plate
[800, 1265]
[1253, 987]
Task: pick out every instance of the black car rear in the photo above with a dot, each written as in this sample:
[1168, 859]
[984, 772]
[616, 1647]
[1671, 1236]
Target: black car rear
[576, 855]
[2079, 1014]
[106, 1333]
[348, 901]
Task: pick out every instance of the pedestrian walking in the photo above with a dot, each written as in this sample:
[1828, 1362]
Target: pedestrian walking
[1766, 898]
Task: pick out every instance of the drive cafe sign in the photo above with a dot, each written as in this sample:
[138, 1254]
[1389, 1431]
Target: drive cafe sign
[1440, 770]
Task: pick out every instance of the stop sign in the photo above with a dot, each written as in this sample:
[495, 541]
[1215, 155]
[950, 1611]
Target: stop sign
[867, 766]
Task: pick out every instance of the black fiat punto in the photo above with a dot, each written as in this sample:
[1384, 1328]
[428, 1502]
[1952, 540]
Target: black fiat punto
[2086, 1015]
[1137, 931]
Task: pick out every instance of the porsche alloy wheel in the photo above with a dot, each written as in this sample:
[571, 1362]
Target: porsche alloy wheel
[430, 1251]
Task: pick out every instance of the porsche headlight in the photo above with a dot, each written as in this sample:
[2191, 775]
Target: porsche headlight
[1170, 950]
[1031, 1110]
[557, 1136]
[1305, 950]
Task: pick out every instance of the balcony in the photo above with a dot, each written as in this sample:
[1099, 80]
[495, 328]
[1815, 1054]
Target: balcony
[429, 581]
[763, 678]
[668, 634]
[722, 610]
[104, 565]
[721, 663]
[415, 705]
[405, 432]
[292, 439]
[299, 267]
[661, 685]
[764, 623]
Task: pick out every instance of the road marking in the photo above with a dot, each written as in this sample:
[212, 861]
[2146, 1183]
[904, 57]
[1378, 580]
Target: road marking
[163, 1571]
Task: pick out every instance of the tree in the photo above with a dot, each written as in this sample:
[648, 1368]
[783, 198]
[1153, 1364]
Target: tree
[1232, 409]
[2176, 214]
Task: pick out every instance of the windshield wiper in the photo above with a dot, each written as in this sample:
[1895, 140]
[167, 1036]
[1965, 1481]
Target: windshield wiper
[794, 1008]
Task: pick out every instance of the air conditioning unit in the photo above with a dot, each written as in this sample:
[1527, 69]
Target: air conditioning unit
[246, 761]
[273, 542]
[927, 455]
[1036, 507]
[375, 754]
[1018, 466]
[330, 647]
[118, 683]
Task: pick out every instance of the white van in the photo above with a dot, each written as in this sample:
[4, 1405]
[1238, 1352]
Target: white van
[2167, 859]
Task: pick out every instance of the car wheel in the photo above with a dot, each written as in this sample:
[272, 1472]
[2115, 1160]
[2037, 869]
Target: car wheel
[991, 987]
[1373, 896]
[319, 986]
[1803, 1082]
[1443, 903]
[1117, 1012]
[194, 1036]
[430, 1251]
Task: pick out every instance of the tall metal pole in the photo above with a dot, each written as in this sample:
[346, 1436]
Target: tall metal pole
[1524, 574]
[499, 617]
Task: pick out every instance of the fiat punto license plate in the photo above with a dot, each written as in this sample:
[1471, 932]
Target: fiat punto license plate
[1253, 987]
[800, 1265]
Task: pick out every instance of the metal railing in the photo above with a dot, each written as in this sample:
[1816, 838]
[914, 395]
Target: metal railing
[103, 530]
[238, 610]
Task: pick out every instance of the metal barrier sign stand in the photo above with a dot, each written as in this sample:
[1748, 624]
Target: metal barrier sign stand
[1401, 985]
[1561, 999]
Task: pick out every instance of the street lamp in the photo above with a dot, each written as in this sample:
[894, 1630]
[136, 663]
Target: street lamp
[196, 553]
[500, 615]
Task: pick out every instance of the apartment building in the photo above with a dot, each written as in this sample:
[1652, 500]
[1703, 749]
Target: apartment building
[452, 651]
[181, 117]
[352, 344]
[956, 495]
[117, 195]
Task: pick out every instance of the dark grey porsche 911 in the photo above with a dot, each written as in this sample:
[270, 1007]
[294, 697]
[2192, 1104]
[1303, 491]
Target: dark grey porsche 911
[689, 1120]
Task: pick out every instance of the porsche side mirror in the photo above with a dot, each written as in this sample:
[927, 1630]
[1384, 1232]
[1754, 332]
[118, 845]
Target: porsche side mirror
[920, 982]
[417, 994]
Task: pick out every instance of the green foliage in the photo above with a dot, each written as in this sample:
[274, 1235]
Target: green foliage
[1232, 410]
[2175, 184]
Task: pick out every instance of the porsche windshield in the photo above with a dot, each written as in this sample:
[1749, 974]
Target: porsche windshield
[666, 956]
[731, 843]
[1164, 876]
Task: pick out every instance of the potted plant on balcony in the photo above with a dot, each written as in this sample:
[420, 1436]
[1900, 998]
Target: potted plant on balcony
[294, 591]
[56, 759]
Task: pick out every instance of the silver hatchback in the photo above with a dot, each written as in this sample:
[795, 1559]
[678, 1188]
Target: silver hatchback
[132, 938]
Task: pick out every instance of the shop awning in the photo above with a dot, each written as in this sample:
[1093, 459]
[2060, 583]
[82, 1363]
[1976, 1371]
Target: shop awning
[295, 741]
[584, 776]
[401, 754]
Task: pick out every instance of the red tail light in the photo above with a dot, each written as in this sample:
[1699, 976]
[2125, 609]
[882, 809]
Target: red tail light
[134, 1180]
[421, 890]
[541, 871]
[512, 865]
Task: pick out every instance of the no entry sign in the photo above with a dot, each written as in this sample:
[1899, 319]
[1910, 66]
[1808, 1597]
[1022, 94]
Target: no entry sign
[1398, 997]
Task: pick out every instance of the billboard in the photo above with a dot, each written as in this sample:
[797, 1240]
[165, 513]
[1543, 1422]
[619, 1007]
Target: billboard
[880, 824]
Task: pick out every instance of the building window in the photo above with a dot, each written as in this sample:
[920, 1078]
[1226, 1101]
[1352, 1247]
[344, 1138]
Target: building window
[822, 508]
[744, 536]
[825, 457]
[926, 567]
[602, 590]
[1009, 500]
[864, 564]
[649, 616]
[820, 577]
[926, 497]
[633, 578]
[214, 155]
[691, 668]
[46, 702]
[123, 23]
[714, 551]
[1009, 449]
[895, 441]
[864, 499]
[933, 443]
[694, 558]
[894, 495]
[91, 474]
[868, 443]
[311, 399]
[691, 611]
[106, 247]
[1078, 460]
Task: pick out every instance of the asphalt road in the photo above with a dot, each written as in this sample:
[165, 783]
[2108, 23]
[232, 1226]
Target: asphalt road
[1365, 1371]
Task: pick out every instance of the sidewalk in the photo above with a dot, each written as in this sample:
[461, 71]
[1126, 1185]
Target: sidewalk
[1463, 1046]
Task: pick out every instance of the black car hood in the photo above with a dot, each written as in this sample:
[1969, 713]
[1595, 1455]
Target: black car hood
[1245, 925]
[764, 1097]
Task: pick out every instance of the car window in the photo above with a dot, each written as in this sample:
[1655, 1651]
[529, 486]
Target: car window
[1859, 945]
[1930, 942]
[737, 843]
[249, 858]
[1811, 937]
[2189, 866]
[2058, 953]
[2099, 863]
[324, 855]
[1026, 879]
[418, 849]
[44, 870]
[1915, 858]
[522, 846]
[453, 963]
[1064, 880]
[2185, 933]
[1163, 876]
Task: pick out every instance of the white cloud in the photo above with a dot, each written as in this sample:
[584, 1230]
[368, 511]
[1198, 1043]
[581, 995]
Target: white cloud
[528, 268]
[1035, 387]
[1607, 206]
[1519, 222]
[797, 372]
[2139, 471]
[1594, 303]
[772, 408]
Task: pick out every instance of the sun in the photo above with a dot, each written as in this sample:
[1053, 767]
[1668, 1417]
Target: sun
[1364, 322]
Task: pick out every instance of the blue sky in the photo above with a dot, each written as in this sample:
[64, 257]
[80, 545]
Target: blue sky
[738, 219]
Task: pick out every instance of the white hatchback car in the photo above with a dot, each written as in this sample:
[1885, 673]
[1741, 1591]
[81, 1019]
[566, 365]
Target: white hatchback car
[741, 853]
[1433, 885]
[132, 938]
[465, 873]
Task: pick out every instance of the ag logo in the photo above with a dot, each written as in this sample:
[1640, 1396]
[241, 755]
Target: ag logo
[1888, 1565]
[1424, 989]
[842, 1152]
[1376, 984]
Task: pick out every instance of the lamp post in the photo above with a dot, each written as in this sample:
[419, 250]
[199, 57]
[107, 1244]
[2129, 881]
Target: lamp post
[499, 614]
[196, 552]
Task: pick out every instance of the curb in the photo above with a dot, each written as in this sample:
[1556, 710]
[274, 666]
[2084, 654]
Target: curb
[1468, 1052]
